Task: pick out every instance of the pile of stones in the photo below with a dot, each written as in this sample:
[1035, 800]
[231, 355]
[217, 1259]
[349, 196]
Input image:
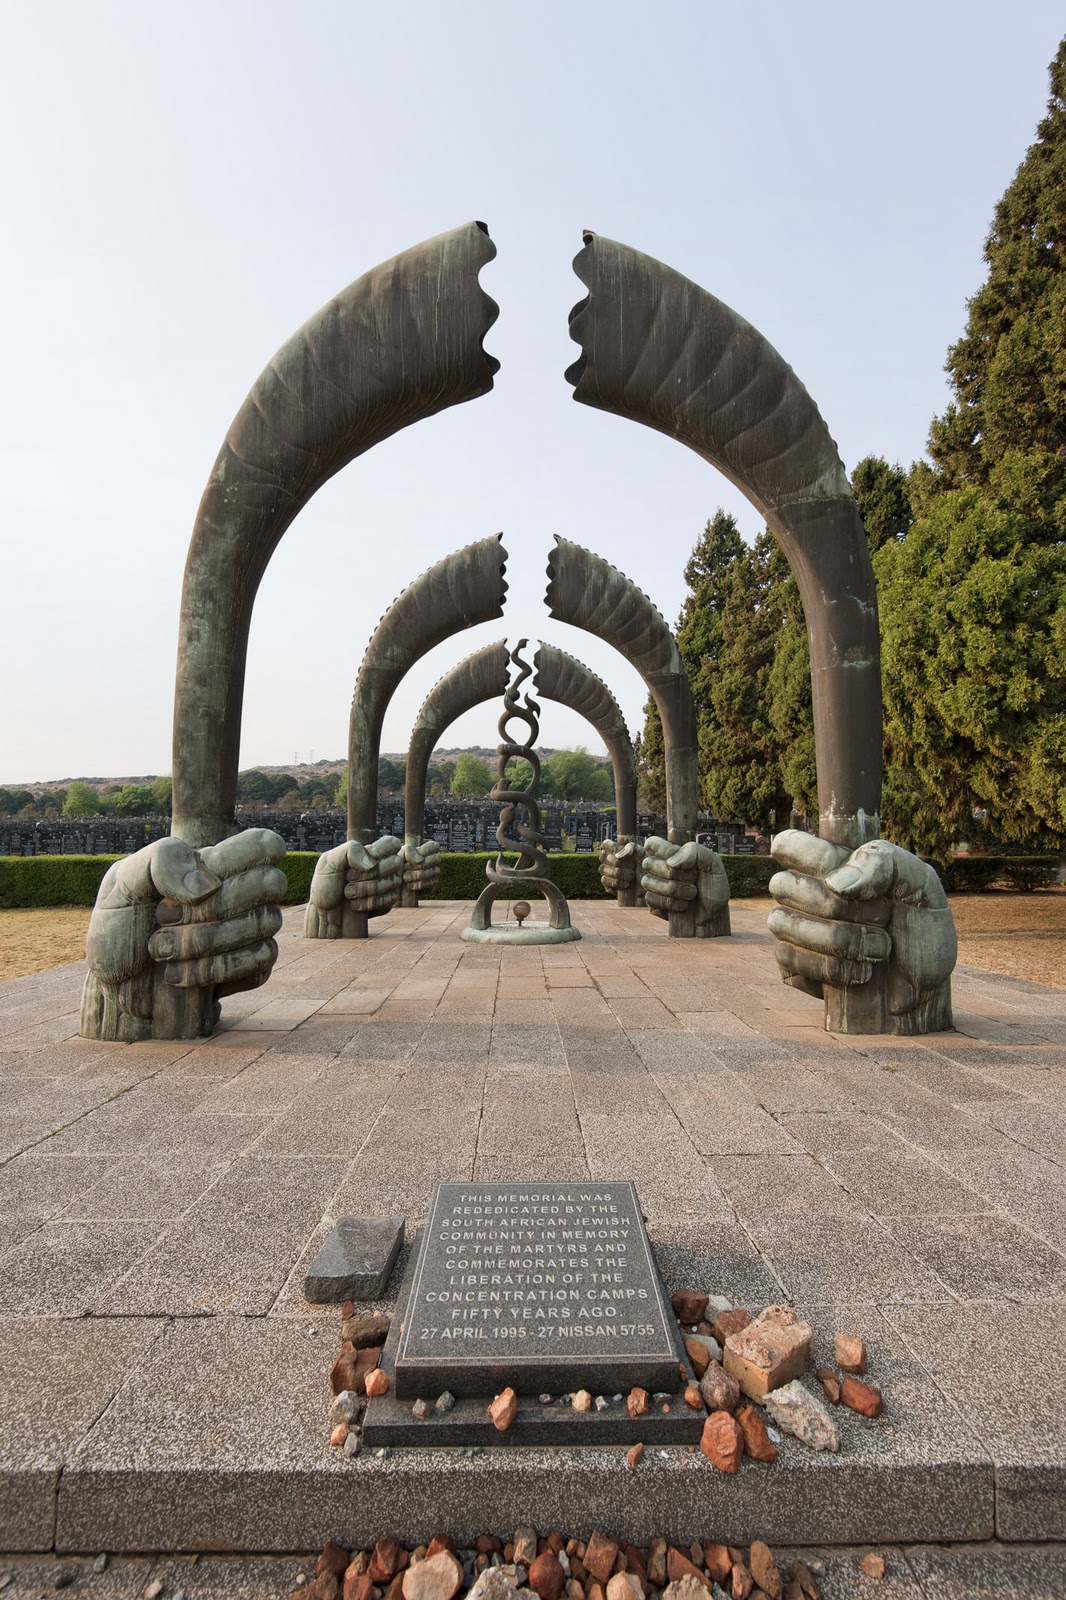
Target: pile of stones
[760, 1362]
[554, 1568]
[737, 1368]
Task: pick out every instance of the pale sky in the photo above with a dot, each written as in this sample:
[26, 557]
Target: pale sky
[184, 184]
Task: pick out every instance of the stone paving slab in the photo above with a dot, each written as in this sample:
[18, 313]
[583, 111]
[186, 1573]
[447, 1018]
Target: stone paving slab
[159, 1202]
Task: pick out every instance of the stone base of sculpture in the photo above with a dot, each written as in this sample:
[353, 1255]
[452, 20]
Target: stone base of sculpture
[351, 884]
[421, 869]
[869, 932]
[557, 930]
[621, 866]
[174, 930]
[687, 886]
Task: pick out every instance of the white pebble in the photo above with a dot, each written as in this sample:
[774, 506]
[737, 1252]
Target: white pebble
[602, 1402]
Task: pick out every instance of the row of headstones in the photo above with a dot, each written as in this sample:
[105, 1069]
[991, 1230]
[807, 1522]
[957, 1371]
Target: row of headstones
[55, 837]
[455, 828]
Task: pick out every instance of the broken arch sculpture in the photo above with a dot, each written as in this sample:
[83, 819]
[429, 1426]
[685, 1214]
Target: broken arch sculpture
[478, 677]
[869, 931]
[175, 929]
[483, 676]
[465, 588]
[530, 871]
[658, 349]
[561, 677]
[588, 592]
[398, 345]
[401, 343]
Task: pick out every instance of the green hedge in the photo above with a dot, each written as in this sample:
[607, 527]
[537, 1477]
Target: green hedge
[974, 874]
[29, 881]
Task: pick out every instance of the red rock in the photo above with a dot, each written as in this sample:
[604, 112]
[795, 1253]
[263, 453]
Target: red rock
[764, 1570]
[439, 1577]
[873, 1565]
[366, 1331]
[693, 1398]
[727, 1322]
[718, 1561]
[487, 1544]
[339, 1434]
[556, 1543]
[801, 1574]
[757, 1444]
[769, 1352]
[830, 1383]
[357, 1586]
[720, 1392]
[503, 1410]
[376, 1381]
[679, 1566]
[849, 1352]
[699, 1355]
[333, 1559]
[546, 1576]
[689, 1306]
[525, 1545]
[657, 1564]
[722, 1442]
[862, 1397]
[742, 1581]
[395, 1589]
[508, 1552]
[343, 1374]
[594, 1590]
[347, 1310]
[635, 1557]
[634, 1453]
[600, 1556]
[439, 1542]
[387, 1560]
[358, 1565]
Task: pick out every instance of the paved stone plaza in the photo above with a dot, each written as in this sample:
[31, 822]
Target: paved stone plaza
[163, 1384]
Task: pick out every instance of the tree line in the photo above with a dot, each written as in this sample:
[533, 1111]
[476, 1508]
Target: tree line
[969, 553]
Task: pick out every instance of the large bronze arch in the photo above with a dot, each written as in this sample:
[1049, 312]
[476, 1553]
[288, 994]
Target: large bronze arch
[466, 588]
[588, 592]
[658, 349]
[567, 681]
[401, 343]
[483, 676]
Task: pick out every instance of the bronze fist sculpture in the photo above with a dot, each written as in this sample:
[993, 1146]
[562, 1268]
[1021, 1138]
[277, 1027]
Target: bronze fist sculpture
[620, 867]
[686, 883]
[867, 930]
[421, 869]
[351, 883]
[175, 929]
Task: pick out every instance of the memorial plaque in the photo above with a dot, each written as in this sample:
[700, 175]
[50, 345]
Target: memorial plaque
[536, 1286]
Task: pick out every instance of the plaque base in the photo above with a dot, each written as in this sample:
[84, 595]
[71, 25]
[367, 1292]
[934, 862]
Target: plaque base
[390, 1421]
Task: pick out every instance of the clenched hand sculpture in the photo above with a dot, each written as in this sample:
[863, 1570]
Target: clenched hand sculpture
[353, 880]
[175, 929]
[686, 884]
[621, 864]
[421, 868]
[868, 930]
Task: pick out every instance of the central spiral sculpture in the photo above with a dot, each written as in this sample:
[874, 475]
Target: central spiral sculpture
[526, 838]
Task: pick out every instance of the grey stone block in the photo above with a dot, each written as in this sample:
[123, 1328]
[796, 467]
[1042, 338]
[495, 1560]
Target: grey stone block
[356, 1260]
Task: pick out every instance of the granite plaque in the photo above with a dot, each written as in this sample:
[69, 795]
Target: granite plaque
[542, 1287]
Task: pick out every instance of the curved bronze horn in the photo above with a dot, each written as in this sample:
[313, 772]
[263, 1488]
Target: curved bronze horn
[465, 588]
[658, 349]
[587, 591]
[401, 343]
[479, 677]
[564, 679]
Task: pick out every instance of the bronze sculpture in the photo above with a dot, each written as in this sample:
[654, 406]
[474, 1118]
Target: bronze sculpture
[483, 676]
[658, 349]
[682, 881]
[531, 868]
[364, 877]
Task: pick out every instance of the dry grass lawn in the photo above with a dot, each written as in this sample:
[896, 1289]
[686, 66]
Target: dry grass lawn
[33, 941]
[1023, 935]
